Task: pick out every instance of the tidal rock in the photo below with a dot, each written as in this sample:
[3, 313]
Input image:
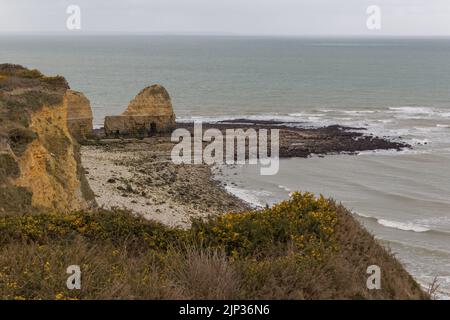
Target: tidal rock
[148, 113]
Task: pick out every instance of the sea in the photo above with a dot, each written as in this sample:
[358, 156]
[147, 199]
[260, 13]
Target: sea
[397, 88]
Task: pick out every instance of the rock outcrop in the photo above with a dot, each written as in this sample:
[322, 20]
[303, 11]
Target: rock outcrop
[79, 115]
[40, 164]
[148, 113]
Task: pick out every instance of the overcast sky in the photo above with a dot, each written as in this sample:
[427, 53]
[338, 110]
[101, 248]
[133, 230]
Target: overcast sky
[246, 17]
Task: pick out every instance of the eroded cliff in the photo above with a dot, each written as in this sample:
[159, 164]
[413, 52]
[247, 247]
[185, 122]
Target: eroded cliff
[40, 164]
[149, 112]
[79, 115]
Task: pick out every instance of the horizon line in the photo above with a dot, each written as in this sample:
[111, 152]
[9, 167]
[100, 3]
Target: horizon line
[215, 34]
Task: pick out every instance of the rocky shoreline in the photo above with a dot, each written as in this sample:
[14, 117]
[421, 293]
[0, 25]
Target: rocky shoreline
[138, 174]
[302, 142]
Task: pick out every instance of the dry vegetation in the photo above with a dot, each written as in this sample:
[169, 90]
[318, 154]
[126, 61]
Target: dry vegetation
[304, 248]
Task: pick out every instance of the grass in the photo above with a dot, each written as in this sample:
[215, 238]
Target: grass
[12, 198]
[8, 166]
[32, 100]
[304, 248]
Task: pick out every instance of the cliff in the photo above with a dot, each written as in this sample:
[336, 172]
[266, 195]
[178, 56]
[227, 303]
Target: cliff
[39, 158]
[148, 113]
[79, 115]
[153, 100]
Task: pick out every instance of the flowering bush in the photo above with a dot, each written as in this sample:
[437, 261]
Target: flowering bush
[288, 251]
[304, 221]
[116, 227]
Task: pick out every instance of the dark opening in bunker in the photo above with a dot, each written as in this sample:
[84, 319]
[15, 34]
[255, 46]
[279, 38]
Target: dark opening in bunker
[152, 128]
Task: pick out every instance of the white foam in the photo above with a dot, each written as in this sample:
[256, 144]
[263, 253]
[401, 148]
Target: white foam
[261, 117]
[251, 197]
[405, 226]
[359, 112]
[284, 188]
[297, 114]
[392, 123]
[392, 152]
[434, 222]
[413, 110]
[363, 215]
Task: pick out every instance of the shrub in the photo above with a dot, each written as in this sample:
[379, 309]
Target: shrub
[31, 100]
[8, 166]
[303, 248]
[55, 82]
[32, 74]
[116, 227]
[306, 222]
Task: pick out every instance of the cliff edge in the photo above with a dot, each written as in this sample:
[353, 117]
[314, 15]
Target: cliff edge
[79, 115]
[40, 164]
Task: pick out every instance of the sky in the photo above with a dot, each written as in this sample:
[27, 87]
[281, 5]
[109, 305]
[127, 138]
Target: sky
[234, 17]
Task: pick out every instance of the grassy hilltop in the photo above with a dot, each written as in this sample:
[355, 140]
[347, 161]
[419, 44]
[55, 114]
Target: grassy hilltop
[304, 248]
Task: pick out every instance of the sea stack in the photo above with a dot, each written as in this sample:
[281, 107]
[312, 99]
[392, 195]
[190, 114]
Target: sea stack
[150, 112]
[79, 115]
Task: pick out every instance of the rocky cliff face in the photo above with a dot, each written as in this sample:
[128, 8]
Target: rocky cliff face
[79, 115]
[153, 100]
[149, 112]
[39, 159]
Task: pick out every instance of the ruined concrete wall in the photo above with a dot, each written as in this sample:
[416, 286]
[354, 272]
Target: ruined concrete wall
[148, 113]
[138, 125]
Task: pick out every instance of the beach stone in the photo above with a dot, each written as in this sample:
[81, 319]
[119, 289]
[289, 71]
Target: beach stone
[148, 113]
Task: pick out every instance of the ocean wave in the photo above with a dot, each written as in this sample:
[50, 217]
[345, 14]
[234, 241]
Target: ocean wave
[251, 197]
[419, 226]
[435, 222]
[392, 152]
[260, 117]
[284, 188]
[404, 226]
[418, 113]
[412, 110]
[358, 112]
